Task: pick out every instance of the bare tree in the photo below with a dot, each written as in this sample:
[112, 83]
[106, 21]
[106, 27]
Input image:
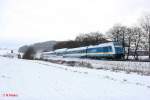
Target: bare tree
[92, 38]
[30, 53]
[118, 33]
[129, 38]
[114, 32]
[137, 40]
[145, 23]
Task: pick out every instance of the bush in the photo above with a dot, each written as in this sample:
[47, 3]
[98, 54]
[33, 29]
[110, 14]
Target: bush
[29, 54]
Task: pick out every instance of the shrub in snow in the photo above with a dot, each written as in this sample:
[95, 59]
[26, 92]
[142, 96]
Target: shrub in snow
[84, 64]
[29, 54]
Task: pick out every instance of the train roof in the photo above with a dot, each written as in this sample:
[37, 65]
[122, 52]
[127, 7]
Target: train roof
[102, 45]
[76, 49]
[60, 50]
[50, 52]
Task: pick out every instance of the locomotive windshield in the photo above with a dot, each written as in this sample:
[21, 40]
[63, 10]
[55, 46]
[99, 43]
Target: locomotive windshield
[117, 44]
[119, 50]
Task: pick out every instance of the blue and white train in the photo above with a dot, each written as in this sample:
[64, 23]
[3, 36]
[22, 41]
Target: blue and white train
[112, 50]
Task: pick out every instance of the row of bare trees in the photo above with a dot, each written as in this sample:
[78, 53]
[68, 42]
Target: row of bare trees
[133, 39]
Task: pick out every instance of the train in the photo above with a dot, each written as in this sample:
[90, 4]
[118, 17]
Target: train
[110, 50]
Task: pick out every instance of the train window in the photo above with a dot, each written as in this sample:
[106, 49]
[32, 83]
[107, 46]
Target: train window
[119, 49]
[79, 51]
[107, 49]
[100, 49]
[93, 50]
[76, 51]
[84, 51]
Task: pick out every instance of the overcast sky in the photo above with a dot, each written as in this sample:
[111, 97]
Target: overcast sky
[27, 21]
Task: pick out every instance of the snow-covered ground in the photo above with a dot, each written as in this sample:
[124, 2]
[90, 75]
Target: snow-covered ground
[7, 53]
[4, 51]
[140, 57]
[39, 80]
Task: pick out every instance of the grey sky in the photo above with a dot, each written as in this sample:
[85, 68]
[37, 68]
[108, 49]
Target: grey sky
[44, 20]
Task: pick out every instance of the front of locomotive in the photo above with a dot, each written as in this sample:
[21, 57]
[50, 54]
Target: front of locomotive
[119, 51]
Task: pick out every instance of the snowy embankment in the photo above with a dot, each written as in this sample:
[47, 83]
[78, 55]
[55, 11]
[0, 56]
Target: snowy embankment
[39, 80]
[142, 68]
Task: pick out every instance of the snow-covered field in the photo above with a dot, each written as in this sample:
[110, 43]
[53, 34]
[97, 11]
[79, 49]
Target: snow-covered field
[39, 80]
